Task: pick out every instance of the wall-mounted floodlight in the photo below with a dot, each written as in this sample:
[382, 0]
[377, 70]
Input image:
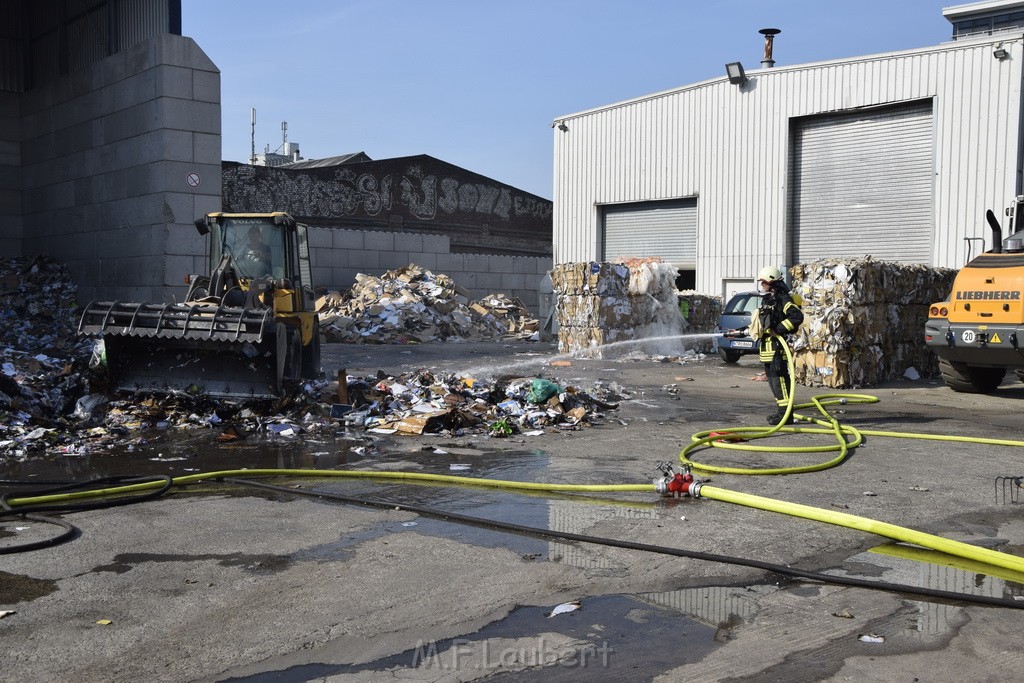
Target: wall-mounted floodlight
[562, 127]
[1000, 53]
[735, 72]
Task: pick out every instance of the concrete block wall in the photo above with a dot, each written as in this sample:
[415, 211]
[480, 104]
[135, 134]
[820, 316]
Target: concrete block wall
[338, 255]
[117, 160]
[10, 175]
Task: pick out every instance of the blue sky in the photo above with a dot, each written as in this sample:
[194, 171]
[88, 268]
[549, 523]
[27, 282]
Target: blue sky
[477, 83]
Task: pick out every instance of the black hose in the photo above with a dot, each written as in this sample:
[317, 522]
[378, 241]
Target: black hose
[629, 545]
[71, 531]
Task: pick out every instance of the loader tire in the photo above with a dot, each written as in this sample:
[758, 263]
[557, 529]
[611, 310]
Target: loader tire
[969, 379]
[311, 358]
[293, 354]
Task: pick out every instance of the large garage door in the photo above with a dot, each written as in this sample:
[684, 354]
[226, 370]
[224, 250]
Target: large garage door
[667, 229]
[862, 184]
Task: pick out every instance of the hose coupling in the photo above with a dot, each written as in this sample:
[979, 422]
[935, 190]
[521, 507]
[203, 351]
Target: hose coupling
[676, 484]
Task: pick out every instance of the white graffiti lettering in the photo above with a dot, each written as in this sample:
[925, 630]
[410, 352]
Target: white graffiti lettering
[347, 194]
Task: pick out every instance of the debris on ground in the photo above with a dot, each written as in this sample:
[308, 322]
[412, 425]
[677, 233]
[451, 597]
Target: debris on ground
[412, 305]
[425, 402]
[53, 393]
[43, 366]
[565, 607]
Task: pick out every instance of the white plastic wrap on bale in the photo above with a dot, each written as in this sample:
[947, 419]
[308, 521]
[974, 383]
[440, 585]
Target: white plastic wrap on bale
[864, 320]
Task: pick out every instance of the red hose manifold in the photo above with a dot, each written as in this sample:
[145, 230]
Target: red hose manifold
[677, 484]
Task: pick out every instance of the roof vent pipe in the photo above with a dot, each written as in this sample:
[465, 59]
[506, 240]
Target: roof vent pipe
[769, 38]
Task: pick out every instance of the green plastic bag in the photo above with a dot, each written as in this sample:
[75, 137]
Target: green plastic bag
[541, 390]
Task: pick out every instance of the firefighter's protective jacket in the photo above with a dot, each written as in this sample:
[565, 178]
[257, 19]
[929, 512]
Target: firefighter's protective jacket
[779, 313]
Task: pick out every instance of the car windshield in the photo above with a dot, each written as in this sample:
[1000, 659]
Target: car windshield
[742, 303]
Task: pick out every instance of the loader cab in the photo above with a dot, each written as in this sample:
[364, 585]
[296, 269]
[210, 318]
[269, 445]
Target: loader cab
[271, 245]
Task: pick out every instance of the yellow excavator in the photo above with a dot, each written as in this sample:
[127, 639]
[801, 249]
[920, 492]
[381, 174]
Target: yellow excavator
[243, 332]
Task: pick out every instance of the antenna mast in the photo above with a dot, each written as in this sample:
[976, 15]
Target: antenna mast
[252, 154]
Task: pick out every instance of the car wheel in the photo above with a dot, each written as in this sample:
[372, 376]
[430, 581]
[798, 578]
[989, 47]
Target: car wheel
[729, 356]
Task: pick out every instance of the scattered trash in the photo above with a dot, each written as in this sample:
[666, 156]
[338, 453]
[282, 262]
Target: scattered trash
[918, 488]
[759, 378]
[870, 493]
[460, 467]
[410, 523]
[104, 622]
[565, 607]
[871, 638]
[7, 612]
[911, 373]
[843, 614]
[53, 388]
[561, 363]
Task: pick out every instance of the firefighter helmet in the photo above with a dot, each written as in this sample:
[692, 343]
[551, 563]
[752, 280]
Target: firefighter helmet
[769, 274]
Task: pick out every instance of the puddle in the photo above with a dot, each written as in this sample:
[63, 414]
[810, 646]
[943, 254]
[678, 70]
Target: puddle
[15, 588]
[617, 637]
[898, 563]
[125, 562]
[177, 454]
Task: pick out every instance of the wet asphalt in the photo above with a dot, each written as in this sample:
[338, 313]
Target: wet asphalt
[219, 581]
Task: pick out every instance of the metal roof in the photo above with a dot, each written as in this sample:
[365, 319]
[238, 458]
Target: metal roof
[354, 157]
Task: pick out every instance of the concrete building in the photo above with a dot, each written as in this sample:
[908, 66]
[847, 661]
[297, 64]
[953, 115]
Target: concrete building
[110, 147]
[895, 155]
[109, 143]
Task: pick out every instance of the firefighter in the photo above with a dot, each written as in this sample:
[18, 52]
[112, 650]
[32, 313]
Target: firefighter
[778, 316]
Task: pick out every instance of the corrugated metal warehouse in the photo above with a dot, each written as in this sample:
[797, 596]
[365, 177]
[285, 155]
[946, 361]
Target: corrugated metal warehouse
[895, 155]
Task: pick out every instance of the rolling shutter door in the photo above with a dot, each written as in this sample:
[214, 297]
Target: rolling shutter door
[862, 184]
[667, 229]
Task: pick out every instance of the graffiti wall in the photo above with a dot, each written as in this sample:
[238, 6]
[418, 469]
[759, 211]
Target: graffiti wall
[418, 191]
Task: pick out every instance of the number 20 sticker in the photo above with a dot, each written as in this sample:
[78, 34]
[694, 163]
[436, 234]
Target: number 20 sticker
[968, 336]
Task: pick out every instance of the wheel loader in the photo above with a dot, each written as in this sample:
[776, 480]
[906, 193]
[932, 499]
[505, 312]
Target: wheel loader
[242, 332]
[978, 334]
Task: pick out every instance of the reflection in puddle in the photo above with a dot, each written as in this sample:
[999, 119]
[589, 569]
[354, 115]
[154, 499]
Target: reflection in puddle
[614, 637]
[899, 563]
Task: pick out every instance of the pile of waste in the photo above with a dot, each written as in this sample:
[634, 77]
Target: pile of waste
[864, 320]
[43, 365]
[510, 312]
[635, 300]
[413, 305]
[424, 402]
[413, 403]
[53, 400]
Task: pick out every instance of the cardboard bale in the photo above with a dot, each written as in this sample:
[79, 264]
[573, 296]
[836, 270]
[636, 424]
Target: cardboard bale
[864, 320]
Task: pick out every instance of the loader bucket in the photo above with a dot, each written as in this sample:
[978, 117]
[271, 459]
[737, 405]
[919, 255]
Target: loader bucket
[226, 352]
